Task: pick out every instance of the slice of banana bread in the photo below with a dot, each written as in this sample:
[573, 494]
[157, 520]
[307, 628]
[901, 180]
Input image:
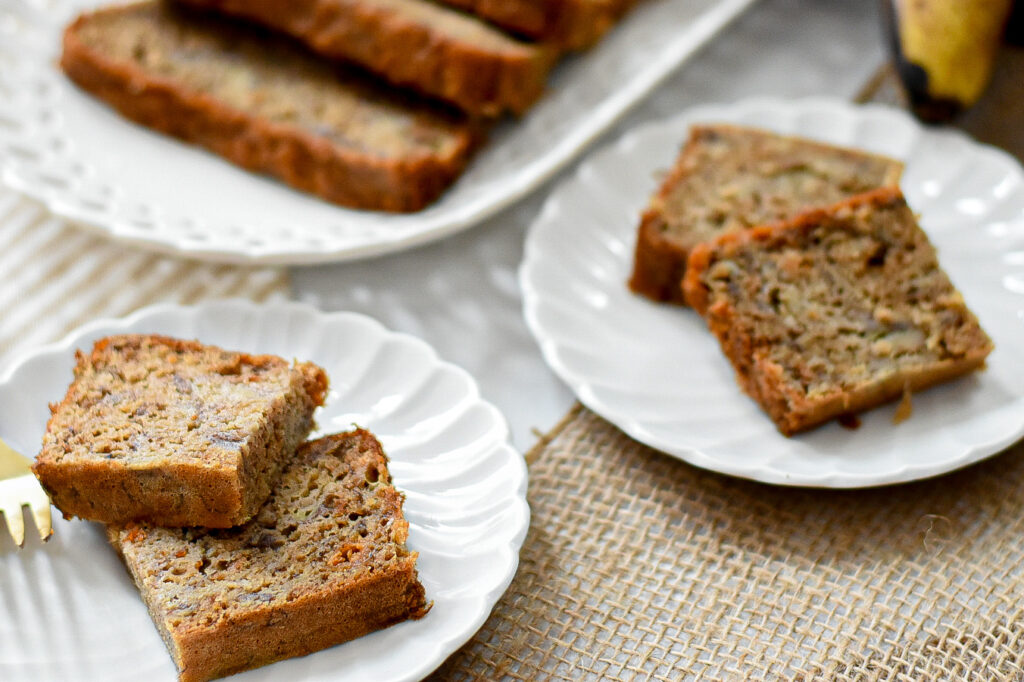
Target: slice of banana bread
[323, 562]
[568, 24]
[834, 312]
[174, 432]
[268, 106]
[414, 43]
[729, 178]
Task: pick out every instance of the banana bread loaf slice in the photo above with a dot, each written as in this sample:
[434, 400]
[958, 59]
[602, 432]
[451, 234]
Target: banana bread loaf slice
[268, 106]
[174, 432]
[414, 43]
[324, 561]
[730, 178]
[835, 311]
[568, 24]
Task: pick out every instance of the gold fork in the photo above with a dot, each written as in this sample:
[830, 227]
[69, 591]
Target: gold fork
[19, 488]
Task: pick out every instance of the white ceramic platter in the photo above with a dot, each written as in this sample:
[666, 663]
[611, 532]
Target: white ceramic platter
[87, 164]
[657, 373]
[68, 610]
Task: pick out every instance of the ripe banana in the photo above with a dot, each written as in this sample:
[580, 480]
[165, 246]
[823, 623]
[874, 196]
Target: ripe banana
[945, 50]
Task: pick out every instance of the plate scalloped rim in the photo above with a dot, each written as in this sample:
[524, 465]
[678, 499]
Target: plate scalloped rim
[65, 187]
[495, 446]
[539, 296]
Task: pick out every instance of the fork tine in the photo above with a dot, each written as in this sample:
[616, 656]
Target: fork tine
[39, 504]
[15, 523]
[19, 488]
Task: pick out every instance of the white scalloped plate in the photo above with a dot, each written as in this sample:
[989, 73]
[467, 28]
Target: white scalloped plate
[68, 610]
[657, 373]
[87, 164]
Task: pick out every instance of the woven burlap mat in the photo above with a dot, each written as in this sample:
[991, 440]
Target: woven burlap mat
[638, 566]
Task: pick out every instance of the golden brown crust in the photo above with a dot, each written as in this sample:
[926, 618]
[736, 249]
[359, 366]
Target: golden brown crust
[218, 489]
[344, 176]
[412, 43]
[658, 263]
[306, 625]
[758, 371]
[288, 583]
[169, 495]
[792, 411]
[568, 24]
[695, 294]
[660, 257]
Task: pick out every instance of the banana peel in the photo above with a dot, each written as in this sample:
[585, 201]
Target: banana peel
[945, 50]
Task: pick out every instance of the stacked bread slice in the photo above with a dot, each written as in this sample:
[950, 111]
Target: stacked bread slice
[729, 178]
[372, 104]
[247, 544]
[810, 269]
[436, 50]
[568, 24]
[323, 562]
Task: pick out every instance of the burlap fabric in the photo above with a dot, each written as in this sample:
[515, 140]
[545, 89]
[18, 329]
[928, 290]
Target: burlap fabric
[638, 566]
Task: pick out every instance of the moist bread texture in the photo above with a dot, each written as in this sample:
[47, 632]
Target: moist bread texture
[834, 312]
[435, 50]
[267, 105]
[174, 432]
[323, 562]
[567, 24]
[732, 178]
